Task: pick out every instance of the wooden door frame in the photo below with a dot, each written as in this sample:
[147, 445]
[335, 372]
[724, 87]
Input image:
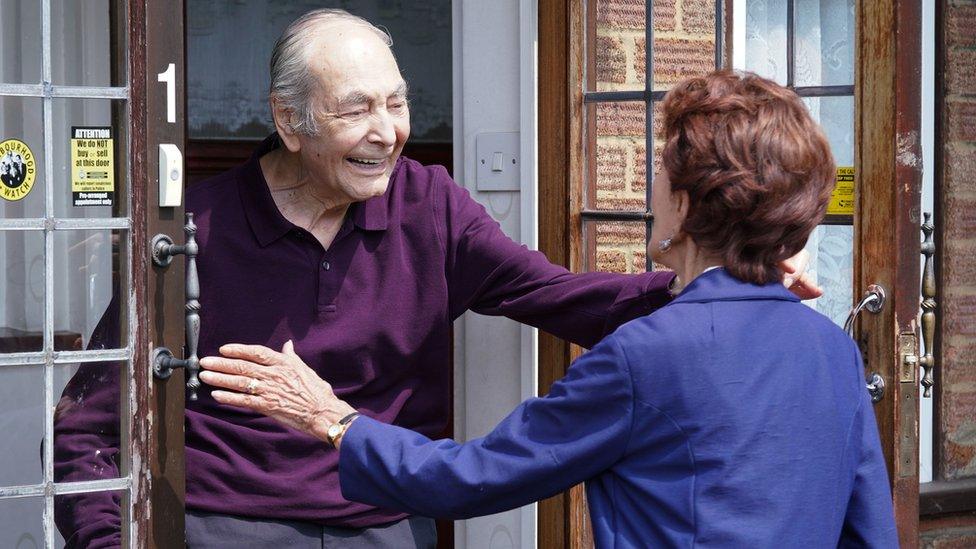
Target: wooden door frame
[887, 96]
[562, 520]
[156, 408]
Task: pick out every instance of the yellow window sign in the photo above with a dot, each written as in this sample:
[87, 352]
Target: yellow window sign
[92, 166]
[842, 199]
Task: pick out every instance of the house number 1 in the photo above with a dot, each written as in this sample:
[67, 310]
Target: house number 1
[169, 76]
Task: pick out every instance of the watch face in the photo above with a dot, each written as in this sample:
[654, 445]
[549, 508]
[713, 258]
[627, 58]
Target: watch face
[334, 430]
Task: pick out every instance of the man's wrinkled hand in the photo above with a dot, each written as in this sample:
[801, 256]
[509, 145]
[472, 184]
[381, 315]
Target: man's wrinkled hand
[276, 384]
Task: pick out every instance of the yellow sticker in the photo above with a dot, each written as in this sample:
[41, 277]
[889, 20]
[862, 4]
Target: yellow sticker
[842, 199]
[18, 168]
[92, 166]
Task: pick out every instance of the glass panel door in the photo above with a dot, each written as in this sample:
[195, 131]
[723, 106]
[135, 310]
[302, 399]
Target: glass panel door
[65, 241]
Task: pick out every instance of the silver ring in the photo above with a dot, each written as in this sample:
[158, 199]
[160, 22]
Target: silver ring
[252, 386]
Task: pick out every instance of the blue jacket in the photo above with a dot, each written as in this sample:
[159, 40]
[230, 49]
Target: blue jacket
[733, 417]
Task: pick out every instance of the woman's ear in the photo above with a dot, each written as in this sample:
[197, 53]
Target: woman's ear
[681, 203]
[284, 120]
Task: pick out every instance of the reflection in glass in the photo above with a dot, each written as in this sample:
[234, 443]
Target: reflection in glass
[88, 441]
[87, 271]
[20, 42]
[21, 291]
[87, 425]
[21, 522]
[87, 37]
[824, 43]
[22, 425]
[227, 94]
[20, 131]
[105, 530]
[616, 156]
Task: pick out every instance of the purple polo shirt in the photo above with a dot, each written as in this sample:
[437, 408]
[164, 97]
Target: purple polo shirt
[372, 315]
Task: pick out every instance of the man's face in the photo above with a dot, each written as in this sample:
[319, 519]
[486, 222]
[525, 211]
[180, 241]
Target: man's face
[361, 109]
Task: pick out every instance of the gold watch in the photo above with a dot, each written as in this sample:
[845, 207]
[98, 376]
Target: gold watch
[336, 430]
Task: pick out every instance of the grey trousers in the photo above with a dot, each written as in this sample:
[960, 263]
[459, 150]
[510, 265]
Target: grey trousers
[214, 531]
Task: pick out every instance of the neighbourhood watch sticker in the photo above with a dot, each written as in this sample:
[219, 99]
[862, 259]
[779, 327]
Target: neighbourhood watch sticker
[92, 166]
[18, 167]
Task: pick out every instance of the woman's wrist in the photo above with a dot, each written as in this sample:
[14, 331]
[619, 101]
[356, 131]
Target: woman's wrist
[337, 441]
[328, 416]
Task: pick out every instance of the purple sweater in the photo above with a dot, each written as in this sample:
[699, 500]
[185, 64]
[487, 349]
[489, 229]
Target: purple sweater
[372, 315]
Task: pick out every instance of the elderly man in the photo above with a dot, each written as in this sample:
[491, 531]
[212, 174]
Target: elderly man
[327, 237]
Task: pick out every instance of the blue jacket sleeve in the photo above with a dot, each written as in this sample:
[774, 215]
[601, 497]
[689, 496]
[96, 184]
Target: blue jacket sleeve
[489, 273]
[581, 428]
[870, 517]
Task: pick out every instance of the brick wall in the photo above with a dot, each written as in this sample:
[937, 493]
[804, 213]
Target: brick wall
[684, 45]
[957, 428]
[959, 231]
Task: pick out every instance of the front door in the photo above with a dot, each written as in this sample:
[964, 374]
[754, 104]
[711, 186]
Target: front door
[856, 65]
[92, 447]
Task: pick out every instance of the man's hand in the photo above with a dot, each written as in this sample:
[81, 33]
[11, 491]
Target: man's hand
[278, 385]
[795, 276]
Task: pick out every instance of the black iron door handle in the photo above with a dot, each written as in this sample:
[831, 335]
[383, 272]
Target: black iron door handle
[872, 302]
[162, 358]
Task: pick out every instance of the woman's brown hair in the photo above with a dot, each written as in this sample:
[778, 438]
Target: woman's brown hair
[758, 170]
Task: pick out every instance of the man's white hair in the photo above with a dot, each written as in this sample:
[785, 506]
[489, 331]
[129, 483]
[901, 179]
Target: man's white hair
[291, 80]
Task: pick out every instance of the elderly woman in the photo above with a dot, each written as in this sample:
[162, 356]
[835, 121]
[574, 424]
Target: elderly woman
[734, 416]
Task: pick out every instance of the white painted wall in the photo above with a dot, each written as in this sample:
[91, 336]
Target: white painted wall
[495, 358]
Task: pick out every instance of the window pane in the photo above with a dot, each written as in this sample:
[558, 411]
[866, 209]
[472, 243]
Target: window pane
[88, 41]
[20, 42]
[615, 246]
[831, 250]
[21, 292]
[21, 522]
[22, 425]
[21, 158]
[763, 50]
[90, 160]
[616, 42]
[88, 277]
[836, 116]
[616, 156]
[824, 43]
[227, 78]
[68, 508]
[684, 41]
[88, 425]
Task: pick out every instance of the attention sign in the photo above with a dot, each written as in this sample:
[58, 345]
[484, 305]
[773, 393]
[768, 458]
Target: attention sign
[92, 166]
